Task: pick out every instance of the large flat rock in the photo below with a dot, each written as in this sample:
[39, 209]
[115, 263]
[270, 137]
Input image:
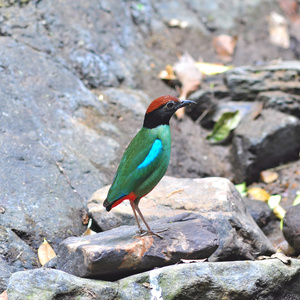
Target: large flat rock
[247, 280]
[214, 198]
[119, 252]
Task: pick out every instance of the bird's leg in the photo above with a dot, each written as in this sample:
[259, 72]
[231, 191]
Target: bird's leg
[141, 215]
[141, 230]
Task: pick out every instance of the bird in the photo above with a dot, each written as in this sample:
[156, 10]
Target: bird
[146, 159]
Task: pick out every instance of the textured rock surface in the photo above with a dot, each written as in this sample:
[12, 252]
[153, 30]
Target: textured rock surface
[119, 252]
[261, 280]
[258, 144]
[214, 198]
[291, 227]
[49, 284]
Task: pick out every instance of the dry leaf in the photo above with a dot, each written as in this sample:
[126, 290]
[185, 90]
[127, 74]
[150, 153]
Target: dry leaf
[278, 30]
[224, 45]
[268, 176]
[4, 296]
[212, 69]
[259, 194]
[290, 8]
[189, 76]
[89, 231]
[167, 74]
[45, 252]
[188, 261]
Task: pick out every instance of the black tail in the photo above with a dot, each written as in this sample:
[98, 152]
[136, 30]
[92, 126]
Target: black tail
[107, 205]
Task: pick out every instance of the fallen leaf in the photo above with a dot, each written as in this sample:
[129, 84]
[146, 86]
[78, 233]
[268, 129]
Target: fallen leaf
[268, 176]
[189, 76]
[290, 8]
[89, 231]
[167, 74]
[279, 212]
[278, 30]
[189, 261]
[259, 194]
[212, 69]
[242, 189]
[227, 122]
[224, 45]
[297, 199]
[4, 296]
[45, 252]
[274, 201]
[285, 259]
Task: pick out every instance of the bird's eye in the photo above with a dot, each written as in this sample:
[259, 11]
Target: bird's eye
[170, 105]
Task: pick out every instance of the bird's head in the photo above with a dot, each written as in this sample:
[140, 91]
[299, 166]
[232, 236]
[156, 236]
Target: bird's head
[162, 109]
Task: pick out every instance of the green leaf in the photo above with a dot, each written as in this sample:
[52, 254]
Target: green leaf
[227, 122]
[297, 199]
[274, 201]
[140, 6]
[242, 189]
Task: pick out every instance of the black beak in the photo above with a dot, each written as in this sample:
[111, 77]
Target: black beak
[183, 103]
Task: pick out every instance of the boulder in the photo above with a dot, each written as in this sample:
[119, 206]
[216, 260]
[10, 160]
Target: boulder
[265, 279]
[214, 198]
[263, 143]
[245, 83]
[119, 252]
[48, 284]
[291, 227]
[48, 155]
[268, 279]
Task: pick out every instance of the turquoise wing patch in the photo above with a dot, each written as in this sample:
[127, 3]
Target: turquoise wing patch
[153, 153]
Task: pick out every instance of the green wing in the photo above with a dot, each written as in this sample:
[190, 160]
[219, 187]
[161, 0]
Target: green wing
[129, 177]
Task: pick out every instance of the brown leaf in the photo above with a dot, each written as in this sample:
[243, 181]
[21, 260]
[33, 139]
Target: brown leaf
[290, 8]
[167, 74]
[224, 45]
[45, 252]
[189, 76]
[259, 194]
[4, 296]
[268, 176]
[89, 231]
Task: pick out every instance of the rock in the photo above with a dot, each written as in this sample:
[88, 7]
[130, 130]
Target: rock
[260, 211]
[15, 251]
[117, 253]
[265, 279]
[50, 284]
[245, 83]
[214, 198]
[268, 279]
[48, 154]
[5, 273]
[286, 102]
[258, 144]
[291, 227]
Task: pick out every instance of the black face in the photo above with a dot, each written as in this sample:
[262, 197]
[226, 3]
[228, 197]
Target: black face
[163, 114]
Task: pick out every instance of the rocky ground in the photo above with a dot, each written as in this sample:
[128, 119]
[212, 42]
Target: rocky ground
[76, 78]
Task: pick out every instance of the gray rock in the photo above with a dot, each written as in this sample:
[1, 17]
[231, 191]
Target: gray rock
[246, 82]
[261, 280]
[263, 143]
[16, 251]
[285, 102]
[291, 227]
[48, 154]
[5, 273]
[260, 211]
[119, 252]
[50, 284]
[268, 279]
[214, 198]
